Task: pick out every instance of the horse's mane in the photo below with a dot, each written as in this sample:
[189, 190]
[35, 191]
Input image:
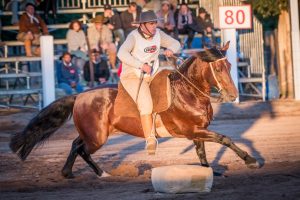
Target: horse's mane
[208, 55]
[182, 68]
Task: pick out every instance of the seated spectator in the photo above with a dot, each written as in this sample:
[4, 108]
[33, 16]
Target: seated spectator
[30, 29]
[101, 69]
[204, 25]
[14, 6]
[132, 14]
[67, 75]
[113, 22]
[173, 5]
[101, 38]
[77, 44]
[166, 16]
[184, 23]
[50, 5]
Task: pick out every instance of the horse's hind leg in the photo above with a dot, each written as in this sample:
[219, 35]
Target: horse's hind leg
[200, 150]
[88, 159]
[67, 169]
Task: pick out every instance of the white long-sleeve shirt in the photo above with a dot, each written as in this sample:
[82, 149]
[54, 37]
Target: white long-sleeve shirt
[136, 51]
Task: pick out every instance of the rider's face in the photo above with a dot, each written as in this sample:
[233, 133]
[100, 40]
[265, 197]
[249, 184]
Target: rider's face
[151, 27]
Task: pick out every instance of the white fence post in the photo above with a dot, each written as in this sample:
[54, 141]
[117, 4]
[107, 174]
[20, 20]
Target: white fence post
[47, 57]
[230, 35]
[83, 2]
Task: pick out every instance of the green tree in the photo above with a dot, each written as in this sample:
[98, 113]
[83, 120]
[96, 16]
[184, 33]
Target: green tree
[268, 8]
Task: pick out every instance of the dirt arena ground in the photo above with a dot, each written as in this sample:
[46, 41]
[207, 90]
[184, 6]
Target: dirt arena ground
[268, 131]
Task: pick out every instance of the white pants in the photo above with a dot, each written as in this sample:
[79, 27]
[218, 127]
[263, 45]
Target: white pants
[144, 102]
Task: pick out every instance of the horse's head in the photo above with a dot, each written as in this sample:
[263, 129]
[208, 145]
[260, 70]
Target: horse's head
[217, 72]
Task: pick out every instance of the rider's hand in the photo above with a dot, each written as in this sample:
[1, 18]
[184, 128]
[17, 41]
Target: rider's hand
[168, 53]
[146, 68]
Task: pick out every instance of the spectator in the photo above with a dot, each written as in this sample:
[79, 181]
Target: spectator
[173, 5]
[184, 23]
[132, 14]
[77, 44]
[67, 75]
[29, 29]
[204, 25]
[50, 5]
[101, 69]
[14, 6]
[166, 15]
[100, 38]
[113, 21]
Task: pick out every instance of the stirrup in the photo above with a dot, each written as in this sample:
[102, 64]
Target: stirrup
[151, 146]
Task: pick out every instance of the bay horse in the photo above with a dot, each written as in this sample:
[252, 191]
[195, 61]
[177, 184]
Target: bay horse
[188, 116]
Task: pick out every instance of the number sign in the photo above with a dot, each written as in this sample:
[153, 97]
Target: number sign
[238, 17]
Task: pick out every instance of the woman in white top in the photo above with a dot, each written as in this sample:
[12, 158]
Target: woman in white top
[76, 38]
[77, 44]
[139, 54]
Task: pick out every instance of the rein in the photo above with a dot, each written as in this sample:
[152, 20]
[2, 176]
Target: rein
[192, 84]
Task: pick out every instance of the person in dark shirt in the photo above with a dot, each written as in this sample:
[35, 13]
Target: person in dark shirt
[184, 23]
[204, 25]
[50, 5]
[132, 14]
[113, 21]
[67, 75]
[101, 70]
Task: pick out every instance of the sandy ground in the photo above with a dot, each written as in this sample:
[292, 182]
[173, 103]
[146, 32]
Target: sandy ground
[270, 135]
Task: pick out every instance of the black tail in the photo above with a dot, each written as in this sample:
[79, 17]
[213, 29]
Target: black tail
[42, 126]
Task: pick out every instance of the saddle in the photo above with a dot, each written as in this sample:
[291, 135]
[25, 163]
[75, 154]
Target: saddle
[160, 91]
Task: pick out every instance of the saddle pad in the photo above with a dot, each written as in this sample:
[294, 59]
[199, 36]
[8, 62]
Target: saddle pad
[160, 91]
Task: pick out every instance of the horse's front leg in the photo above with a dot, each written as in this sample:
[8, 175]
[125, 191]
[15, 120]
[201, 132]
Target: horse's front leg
[200, 150]
[211, 136]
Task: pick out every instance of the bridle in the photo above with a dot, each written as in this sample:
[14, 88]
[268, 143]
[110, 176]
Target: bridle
[220, 88]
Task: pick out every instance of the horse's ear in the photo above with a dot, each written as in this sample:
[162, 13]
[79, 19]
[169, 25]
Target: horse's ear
[224, 48]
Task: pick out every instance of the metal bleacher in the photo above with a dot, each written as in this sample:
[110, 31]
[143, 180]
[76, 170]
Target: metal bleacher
[18, 82]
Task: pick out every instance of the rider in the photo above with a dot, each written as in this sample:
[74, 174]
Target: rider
[139, 55]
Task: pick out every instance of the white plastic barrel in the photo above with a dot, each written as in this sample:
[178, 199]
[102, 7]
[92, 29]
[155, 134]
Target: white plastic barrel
[182, 179]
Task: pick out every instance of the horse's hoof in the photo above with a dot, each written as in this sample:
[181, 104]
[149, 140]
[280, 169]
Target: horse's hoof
[68, 175]
[205, 165]
[104, 174]
[254, 165]
[217, 173]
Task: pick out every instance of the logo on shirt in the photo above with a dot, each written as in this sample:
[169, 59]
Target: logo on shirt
[150, 49]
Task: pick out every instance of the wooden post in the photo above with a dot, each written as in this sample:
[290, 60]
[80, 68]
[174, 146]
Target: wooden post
[285, 56]
[294, 7]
